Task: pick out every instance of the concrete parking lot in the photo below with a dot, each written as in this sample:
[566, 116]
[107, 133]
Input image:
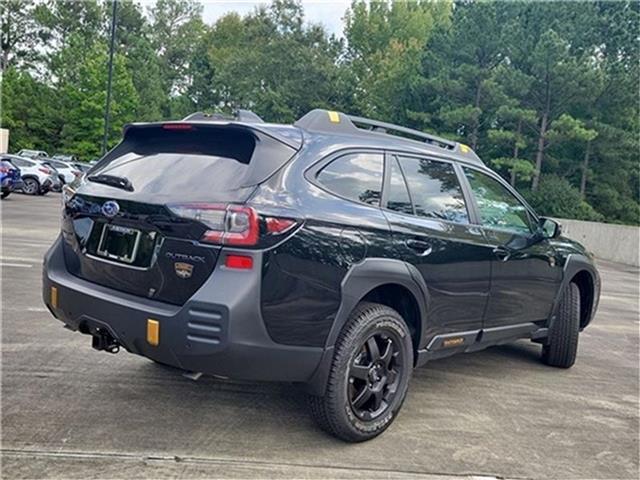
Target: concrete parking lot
[69, 411]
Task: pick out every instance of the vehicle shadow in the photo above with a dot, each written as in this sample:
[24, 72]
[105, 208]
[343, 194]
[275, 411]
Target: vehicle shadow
[280, 409]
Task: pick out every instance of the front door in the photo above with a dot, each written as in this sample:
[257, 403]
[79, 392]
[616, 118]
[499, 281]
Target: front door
[432, 231]
[525, 275]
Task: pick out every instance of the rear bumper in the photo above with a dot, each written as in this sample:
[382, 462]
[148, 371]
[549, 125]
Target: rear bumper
[8, 184]
[218, 331]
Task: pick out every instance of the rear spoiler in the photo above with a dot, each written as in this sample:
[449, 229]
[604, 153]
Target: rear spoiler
[290, 136]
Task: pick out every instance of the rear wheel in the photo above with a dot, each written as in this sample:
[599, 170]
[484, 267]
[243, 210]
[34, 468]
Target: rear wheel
[31, 186]
[369, 375]
[5, 194]
[561, 346]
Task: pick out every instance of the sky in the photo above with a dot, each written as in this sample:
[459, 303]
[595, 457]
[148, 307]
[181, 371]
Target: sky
[326, 12]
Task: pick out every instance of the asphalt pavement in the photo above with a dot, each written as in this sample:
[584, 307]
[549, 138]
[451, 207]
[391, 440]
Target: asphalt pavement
[71, 412]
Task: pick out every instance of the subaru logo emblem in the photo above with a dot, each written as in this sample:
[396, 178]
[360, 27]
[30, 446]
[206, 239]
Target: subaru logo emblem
[110, 209]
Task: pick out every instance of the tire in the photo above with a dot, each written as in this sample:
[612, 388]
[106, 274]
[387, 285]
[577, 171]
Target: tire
[31, 186]
[561, 346]
[5, 195]
[368, 381]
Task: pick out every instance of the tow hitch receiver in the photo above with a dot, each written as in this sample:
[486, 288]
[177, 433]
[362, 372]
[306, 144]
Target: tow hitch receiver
[102, 340]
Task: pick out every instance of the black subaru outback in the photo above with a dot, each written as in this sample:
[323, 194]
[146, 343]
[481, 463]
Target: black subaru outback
[339, 252]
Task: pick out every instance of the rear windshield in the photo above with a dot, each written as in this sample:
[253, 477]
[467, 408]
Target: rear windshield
[204, 157]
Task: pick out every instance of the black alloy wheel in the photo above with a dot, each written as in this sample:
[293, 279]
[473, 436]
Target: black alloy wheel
[374, 376]
[369, 374]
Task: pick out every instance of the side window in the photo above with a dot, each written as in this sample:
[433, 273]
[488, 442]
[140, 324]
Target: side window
[497, 206]
[20, 163]
[356, 176]
[435, 190]
[398, 197]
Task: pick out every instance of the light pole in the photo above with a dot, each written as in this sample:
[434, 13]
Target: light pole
[108, 105]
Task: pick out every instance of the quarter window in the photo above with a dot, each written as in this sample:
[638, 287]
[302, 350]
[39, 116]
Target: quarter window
[357, 176]
[498, 207]
[434, 189]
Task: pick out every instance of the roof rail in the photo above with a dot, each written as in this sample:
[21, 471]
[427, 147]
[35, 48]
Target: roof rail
[239, 115]
[336, 122]
[383, 127]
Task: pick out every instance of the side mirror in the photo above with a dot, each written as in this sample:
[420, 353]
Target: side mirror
[549, 228]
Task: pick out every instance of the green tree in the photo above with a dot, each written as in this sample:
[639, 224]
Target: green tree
[385, 41]
[30, 110]
[176, 30]
[82, 132]
[556, 197]
[20, 34]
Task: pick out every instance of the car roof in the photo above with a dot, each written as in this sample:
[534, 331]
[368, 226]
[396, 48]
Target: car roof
[348, 130]
[18, 157]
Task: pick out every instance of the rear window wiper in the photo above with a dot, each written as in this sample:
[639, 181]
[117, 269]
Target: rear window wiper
[113, 181]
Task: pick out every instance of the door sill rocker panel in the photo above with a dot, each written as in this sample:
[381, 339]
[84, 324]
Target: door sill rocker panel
[475, 340]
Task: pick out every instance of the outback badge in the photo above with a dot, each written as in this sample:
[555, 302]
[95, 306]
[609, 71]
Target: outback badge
[183, 270]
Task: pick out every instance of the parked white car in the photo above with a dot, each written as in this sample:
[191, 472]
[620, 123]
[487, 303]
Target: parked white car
[68, 171]
[25, 153]
[37, 178]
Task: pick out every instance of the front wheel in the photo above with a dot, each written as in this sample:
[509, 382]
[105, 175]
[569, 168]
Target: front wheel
[5, 194]
[369, 375]
[561, 345]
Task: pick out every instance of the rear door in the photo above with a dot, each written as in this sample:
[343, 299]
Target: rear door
[525, 276]
[427, 211]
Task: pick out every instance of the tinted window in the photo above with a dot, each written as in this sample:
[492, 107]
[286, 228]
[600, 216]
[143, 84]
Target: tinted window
[18, 162]
[201, 160]
[497, 206]
[57, 164]
[356, 176]
[398, 196]
[435, 190]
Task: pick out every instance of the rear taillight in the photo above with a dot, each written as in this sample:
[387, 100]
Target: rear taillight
[46, 171]
[234, 225]
[4, 170]
[276, 225]
[227, 224]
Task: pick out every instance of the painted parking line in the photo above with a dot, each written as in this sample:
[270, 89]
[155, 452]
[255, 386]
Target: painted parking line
[15, 265]
[16, 259]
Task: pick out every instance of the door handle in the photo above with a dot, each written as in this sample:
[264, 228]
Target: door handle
[421, 247]
[502, 253]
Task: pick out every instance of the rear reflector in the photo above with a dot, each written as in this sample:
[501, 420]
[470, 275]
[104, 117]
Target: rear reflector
[153, 332]
[54, 297]
[241, 262]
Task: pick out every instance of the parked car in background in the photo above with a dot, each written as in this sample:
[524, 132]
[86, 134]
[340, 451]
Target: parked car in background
[65, 158]
[56, 177]
[32, 153]
[37, 179]
[9, 177]
[83, 167]
[67, 172]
